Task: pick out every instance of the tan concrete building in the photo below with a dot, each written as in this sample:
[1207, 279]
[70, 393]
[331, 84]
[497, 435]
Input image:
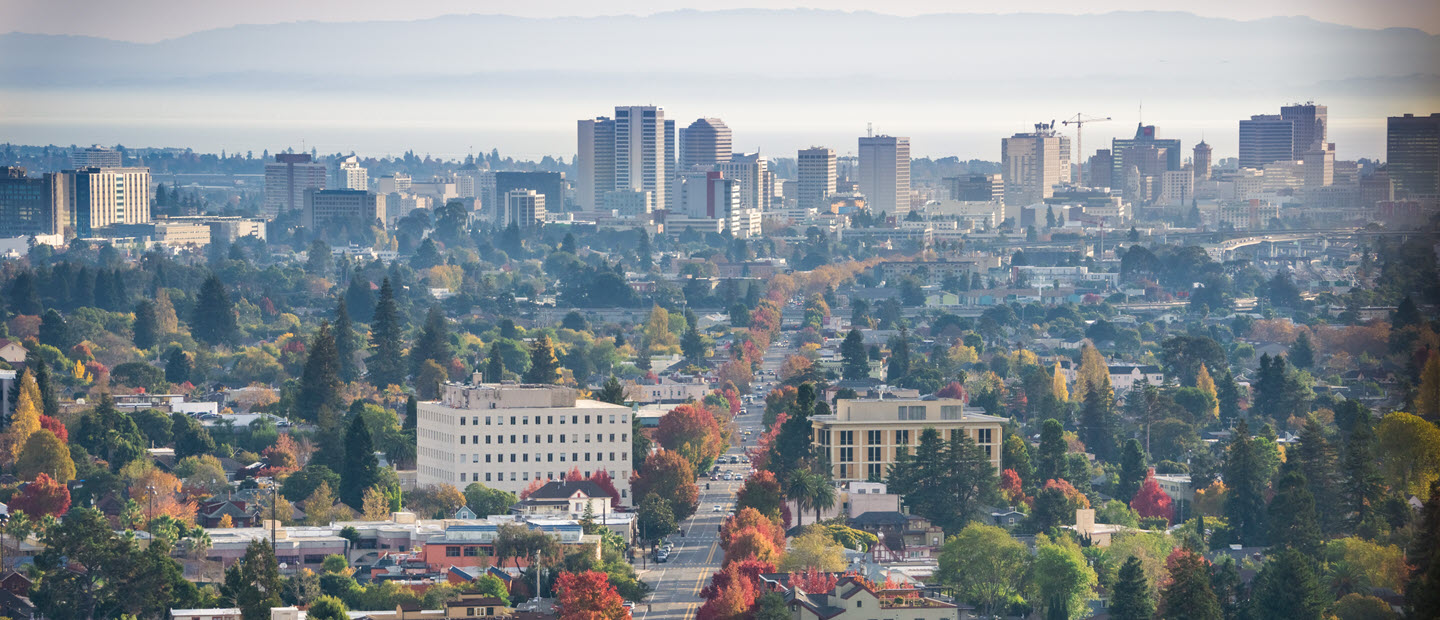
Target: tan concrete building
[507, 435]
[862, 437]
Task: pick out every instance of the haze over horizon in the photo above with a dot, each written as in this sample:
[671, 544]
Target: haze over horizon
[447, 86]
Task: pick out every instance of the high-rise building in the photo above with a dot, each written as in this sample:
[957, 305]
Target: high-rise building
[594, 162]
[33, 205]
[328, 209]
[643, 150]
[705, 143]
[977, 187]
[1320, 166]
[884, 173]
[671, 163]
[507, 436]
[1139, 153]
[1032, 164]
[816, 178]
[551, 185]
[103, 197]
[525, 208]
[750, 170]
[1202, 161]
[1266, 138]
[349, 174]
[96, 157]
[1412, 153]
[1310, 127]
[286, 180]
[1101, 164]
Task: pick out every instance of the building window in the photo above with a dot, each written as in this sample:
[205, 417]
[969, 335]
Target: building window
[847, 455]
[471, 552]
[500, 439]
[549, 419]
[847, 438]
[462, 420]
[874, 437]
[512, 458]
[524, 439]
[487, 474]
[525, 419]
[550, 458]
[549, 439]
[587, 457]
[844, 471]
[512, 420]
[950, 412]
[462, 440]
[872, 454]
[587, 419]
[487, 420]
[487, 440]
[912, 413]
[487, 458]
[985, 436]
[452, 552]
[902, 438]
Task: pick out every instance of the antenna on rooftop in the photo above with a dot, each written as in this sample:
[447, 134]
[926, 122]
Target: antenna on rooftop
[869, 130]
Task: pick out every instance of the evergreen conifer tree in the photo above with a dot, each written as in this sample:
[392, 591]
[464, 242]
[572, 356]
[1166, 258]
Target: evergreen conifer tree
[1245, 500]
[1130, 599]
[899, 363]
[855, 361]
[49, 396]
[494, 366]
[1287, 587]
[146, 328]
[386, 364]
[214, 321]
[1098, 420]
[1050, 458]
[320, 379]
[1362, 487]
[1291, 514]
[1132, 471]
[434, 342]
[1316, 459]
[1188, 595]
[1302, 352]
[347, 343]
[611, 392]
[361, 469]
[544, 368]
[177, 366]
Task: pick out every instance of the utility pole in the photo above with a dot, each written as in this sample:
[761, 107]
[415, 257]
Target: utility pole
[1079, 121]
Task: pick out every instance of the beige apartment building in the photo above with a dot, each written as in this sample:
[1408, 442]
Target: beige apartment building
[507, 435]
[862, 437]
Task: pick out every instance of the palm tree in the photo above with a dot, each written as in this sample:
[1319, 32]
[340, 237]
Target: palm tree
[803, 489]
[824, 496]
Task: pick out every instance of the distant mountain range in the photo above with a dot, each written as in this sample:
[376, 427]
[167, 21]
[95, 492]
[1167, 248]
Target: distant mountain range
[854, 54]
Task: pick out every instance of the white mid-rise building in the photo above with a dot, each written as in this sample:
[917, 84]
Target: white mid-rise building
[349, 174]
[816, 182]
[884, 174]
[103, 197]
[750, 170]
[525, 208]
[506, 436]
[1032, 164]
[286, 180]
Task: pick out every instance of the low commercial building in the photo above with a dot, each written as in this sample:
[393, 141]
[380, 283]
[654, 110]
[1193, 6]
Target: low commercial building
[862, 437]
[507, 435]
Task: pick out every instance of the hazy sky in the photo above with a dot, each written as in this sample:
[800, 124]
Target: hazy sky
[154, 20]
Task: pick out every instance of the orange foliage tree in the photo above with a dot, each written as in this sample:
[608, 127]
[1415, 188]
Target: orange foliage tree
[670, 476]
[752, 543]
[589, 596]
[157, 494]
[750, 518]
[693, 432]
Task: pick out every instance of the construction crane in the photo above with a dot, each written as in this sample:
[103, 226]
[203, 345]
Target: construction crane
[1079, 121]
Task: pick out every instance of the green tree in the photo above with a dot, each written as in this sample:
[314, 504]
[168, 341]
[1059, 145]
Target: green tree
[1097, 415]
[985, 565]
[361, 470]
[1188, 595]
[1130, 597]
[771, 606]
[656, 520]
[1227, 392]
[855, 360]
[318, 399]
[1050, 457]
[1422, 593]
[55, 330]
[386, 364]
[347, 343]
[146, 328]
[1245, 499]
[328, 608]
[1287, 587]
[899, 363]
[253, 584]
[177, 366]
[191, 438]
[692, 345]
[1317, 461]
[1302, 352]
[45, 453]
[214, 321]
[1291, 514]
[544, 368]
[611, 392]
[49, 395]
[485, 501]
[494, 365]
[1015, 454]
[1063, 580]
[434, 342]
[1132, 471]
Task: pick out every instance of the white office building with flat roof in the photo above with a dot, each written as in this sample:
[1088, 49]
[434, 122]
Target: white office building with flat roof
[506, 436]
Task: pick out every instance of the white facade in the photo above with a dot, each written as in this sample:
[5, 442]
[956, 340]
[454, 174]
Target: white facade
[1033, 163]
[816, 178]
[1178, 187]
[506, 436]
[524, 208]
[640, 151]
[750, 170]
[349, 174]
[884, 173]
[104, 196]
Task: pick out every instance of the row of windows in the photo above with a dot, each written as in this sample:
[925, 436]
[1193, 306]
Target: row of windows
[902, 437]
[524, 476]
[525, 439]
[499, 420]
[549, 457]
[873, 471]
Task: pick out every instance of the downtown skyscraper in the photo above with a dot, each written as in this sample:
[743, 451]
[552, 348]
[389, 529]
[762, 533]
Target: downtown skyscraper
[884, 174]
[635, 151]
[816, 168]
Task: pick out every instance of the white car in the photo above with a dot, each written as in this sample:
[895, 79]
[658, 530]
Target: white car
[718, 508]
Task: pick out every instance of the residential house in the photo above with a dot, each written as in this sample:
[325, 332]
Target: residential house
[856, 599]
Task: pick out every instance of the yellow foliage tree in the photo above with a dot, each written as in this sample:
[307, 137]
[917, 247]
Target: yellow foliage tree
[320, 506]
[1094, 371]
[1207, 385]
[961, 354]
[25, 420]
[658, 337]
[376, 505]
[1427, 402]
[1057, 384]
[226, 521]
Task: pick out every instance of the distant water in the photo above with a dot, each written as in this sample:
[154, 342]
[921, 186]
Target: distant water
[390, 124]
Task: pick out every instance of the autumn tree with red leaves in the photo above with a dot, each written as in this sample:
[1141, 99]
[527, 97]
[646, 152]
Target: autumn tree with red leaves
[751, 518]
[1151, 501]
[954, 390]
[43, 496]
[761, 492]
[733, 590]
[814, 581]
[693, 432]
[668, 474]
[55, 426]
[589, 596]
[600, 477]
[1011, 487]
[752, 543]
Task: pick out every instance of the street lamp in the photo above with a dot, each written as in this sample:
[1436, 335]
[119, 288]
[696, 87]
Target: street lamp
[151, 495]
